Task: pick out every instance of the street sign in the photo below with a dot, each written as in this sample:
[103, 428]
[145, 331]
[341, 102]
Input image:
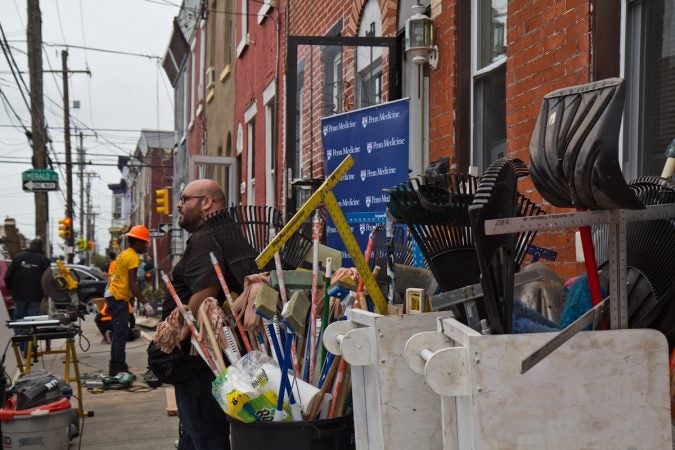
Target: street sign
[40, 180]
[164, 227]
[156, 234]
[35, 186]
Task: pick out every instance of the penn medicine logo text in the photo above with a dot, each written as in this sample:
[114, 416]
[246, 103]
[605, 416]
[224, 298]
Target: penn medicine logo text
[376, 199]
[344, 151]
[387, 142]
[344, 125]
[381, 117]
[381, 171]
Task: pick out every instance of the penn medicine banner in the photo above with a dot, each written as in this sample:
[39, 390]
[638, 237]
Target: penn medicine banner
[377, 139]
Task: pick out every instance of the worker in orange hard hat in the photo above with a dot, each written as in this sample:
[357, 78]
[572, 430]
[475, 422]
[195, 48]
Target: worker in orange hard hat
[104, 324]
[122, 288]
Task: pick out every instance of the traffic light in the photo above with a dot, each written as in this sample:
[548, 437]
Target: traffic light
[65, 227]
[162, 201]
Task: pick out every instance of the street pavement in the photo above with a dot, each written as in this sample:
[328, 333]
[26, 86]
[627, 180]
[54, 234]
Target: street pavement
[134, 418]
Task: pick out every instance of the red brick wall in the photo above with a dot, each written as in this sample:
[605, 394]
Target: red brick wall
[161, 162]
[548, 49]
[254, 70]
[443, 88]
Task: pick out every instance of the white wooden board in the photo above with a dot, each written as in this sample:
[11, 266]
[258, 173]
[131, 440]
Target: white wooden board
[399, 410]
[601, 390]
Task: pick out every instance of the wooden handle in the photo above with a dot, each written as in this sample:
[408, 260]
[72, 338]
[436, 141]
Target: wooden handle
[212, 338]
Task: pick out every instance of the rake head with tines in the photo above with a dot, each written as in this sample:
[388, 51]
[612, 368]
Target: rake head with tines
[294, 250]
[256, 223]
[497, 198]
[650, 250]
[233, 247]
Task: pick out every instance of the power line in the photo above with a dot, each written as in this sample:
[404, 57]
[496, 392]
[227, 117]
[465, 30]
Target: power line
[93, 49]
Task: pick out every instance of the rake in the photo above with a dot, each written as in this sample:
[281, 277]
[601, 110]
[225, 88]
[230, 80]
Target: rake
[497, 198]
[650, 250]
[233, 247]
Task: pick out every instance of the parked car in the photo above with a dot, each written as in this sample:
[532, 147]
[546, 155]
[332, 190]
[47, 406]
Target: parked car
[91, 283]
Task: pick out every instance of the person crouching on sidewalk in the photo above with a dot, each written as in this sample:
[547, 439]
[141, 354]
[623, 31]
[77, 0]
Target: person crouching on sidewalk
[122, 288]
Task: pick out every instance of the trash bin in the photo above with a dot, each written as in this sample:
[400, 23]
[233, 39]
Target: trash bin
[36, 414]
[323, 434]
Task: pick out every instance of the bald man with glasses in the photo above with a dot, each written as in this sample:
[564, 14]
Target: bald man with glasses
[203, 423]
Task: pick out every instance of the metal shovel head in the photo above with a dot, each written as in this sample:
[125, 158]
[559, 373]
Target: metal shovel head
[574, 148]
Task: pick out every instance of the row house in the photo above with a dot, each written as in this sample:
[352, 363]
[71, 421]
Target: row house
[220, 161]
[184, 66]
[259, 60]
[271, 69]
[478, 96]
[150, 169]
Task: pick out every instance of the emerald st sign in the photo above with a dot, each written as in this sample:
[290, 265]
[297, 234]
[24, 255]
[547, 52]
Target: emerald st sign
[37, 180]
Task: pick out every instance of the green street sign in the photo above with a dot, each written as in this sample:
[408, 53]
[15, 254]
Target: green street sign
[39, 175]
[35, 180]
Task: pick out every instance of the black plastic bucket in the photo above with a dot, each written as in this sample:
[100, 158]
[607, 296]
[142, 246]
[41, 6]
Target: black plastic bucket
[326, 434]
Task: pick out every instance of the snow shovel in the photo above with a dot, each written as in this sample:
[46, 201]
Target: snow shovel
[573, 156]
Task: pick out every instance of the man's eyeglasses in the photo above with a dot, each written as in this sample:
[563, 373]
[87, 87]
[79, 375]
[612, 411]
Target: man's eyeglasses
[185, 198]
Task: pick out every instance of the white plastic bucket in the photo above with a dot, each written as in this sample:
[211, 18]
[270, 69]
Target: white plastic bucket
[39, 430]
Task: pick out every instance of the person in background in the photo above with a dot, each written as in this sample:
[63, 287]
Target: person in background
[202, 421]
[121, 290]
[23, 279]
[145, 272]
[111, 267]
[104, 324]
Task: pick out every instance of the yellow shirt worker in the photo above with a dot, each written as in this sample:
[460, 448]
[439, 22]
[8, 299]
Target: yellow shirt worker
[122, 288]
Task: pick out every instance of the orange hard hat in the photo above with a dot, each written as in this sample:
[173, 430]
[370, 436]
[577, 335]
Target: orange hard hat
[139, 232]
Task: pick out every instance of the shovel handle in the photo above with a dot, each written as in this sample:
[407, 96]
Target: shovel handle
[212, 338]
[591, 266]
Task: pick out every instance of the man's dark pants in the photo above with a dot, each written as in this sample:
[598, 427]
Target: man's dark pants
[203, 422]
[25, 309]
[119, 310]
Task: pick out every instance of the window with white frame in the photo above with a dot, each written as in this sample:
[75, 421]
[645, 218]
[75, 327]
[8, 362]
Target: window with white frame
[649, 70]
[243, 39]
[489, 81]
[264, 10]
[269, 99]
[369, 59]
[249, 118]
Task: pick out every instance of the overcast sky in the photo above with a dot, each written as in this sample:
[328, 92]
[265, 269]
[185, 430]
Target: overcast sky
[123, 95]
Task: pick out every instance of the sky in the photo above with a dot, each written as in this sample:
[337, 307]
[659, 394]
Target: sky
[124, 94]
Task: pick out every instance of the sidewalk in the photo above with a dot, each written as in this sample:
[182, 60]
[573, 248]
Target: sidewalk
[135, 418]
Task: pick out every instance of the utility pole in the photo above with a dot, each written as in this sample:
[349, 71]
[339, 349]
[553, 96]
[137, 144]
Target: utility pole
[34, 47]
[91, 217]
[81, 161]
[70, 240]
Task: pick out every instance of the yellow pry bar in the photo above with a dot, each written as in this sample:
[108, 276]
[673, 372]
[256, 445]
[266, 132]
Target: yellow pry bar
[325, 194]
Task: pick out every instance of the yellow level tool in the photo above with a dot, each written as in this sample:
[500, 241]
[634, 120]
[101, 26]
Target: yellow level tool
[325, 194]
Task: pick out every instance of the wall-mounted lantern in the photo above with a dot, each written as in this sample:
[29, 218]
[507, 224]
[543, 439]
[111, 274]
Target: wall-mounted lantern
[419, 35]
